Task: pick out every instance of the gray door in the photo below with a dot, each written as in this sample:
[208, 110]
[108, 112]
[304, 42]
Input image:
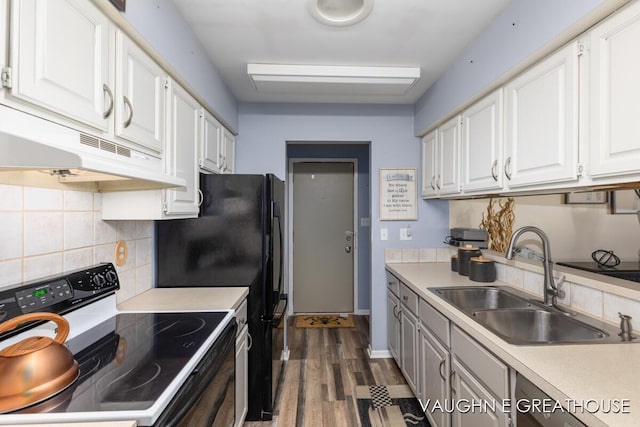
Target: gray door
[323, 237]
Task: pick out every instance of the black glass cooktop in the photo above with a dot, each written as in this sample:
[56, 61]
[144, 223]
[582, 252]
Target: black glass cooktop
[624, 270]
[128, 361]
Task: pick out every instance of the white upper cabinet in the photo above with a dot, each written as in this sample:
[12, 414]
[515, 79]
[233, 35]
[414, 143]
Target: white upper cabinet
[211, 158]
[60, 59]
[4, 39]
[481, 146]
[429, 161]
[182, 152]
[614, 94]
[541, 139]
[140, 96]
[228, 152]
[448, 172]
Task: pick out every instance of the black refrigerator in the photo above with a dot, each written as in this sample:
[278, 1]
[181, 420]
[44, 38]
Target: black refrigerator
[237, 240]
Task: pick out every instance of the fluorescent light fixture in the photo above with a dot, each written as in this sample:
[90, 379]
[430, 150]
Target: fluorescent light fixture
[331, 79]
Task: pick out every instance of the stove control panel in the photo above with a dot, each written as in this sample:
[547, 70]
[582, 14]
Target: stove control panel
[38, 297]
[94, 281]
[58, 294]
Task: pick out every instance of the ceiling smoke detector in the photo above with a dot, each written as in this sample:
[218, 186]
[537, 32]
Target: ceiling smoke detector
[339, 13]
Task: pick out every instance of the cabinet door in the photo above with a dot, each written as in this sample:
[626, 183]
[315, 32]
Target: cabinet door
[614, 94]
[393, 326]
[448, 168]
[541, 141]
[140, 96]
[182, 152]
[434, 378]
[60, 59]
[429, 160]
[242, 376]
[229, 152]
[409, 351]
[211, 158]
[466, 388]
[481, 148]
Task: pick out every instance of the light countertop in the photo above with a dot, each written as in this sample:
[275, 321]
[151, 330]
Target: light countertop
[191, 299]
[581, 372]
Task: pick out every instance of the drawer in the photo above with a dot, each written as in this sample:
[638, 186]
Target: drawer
[409, 298]
[241, 316]
[436, 322]
[487, 368]
[393, 284]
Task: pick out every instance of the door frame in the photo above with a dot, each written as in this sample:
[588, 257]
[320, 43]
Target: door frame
[356, 233]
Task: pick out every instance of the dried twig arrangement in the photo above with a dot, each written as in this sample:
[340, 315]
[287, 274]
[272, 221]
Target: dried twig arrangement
[499, 225]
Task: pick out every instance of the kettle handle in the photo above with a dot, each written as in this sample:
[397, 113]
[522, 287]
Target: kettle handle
[61, 322]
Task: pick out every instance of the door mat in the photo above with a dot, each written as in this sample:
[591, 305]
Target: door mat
[323, 321]
[389, 406]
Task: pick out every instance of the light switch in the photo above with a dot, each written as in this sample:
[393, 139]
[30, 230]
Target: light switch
[405, 234]
[384, 234]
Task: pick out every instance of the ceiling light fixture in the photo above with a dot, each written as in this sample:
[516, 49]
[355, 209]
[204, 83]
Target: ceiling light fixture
[339, 13]
[326, 79]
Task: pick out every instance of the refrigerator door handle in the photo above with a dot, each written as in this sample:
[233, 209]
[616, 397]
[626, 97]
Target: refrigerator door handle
[277, 317]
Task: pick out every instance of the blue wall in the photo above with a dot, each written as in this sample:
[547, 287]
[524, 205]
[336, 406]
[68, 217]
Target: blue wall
[522, 28]
[161, 24]
[262, 147]
[361, 153]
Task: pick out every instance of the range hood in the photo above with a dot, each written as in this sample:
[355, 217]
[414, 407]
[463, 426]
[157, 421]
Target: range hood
[31, 144]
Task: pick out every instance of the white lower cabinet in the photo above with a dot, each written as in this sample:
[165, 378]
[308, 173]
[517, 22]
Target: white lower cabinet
[409, 344]
[434, 368]
[466, 388]
[242, 372]
[242, 364]
[393, 325]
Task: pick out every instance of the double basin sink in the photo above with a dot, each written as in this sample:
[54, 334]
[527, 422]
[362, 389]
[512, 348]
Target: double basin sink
[519, 320]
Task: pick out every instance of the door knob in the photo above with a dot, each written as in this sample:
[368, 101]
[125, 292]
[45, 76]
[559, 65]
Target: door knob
[347, 249]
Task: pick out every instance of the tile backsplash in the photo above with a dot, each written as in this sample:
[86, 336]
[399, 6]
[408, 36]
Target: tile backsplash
[48, 231]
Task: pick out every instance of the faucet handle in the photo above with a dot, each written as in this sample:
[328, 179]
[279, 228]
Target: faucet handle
[561, 294]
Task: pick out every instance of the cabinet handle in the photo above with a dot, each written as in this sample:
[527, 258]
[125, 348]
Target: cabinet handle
[250, 341]
[452, 382]
[405, 298]
[440, 370]
[200, 197]
[433, 178]
[128, 103]
[507, 168]
[494, 175]
[107, 90]
[395, 314]
[438, 182]
[390, 284]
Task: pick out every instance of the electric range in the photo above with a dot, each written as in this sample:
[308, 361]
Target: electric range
[623, 270]
[133, 365]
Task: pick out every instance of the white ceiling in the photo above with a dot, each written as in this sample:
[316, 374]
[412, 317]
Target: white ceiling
[428, 34]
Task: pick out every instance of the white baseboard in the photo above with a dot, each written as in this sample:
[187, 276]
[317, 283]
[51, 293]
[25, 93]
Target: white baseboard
[378, 354]
[363, 312]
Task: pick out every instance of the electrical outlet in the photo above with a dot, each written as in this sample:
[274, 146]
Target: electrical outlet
[405, 234]
[384, 234]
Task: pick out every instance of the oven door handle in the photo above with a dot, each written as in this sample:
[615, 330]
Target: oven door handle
[277, 318]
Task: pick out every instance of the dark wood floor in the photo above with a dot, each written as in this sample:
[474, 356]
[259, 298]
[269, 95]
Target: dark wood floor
[324, 367]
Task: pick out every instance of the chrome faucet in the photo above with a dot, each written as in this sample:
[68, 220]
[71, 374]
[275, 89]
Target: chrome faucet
[551, 291]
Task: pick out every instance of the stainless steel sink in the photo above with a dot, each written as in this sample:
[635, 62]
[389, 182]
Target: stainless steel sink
[537, 326]
[481, 298]
[520, 320]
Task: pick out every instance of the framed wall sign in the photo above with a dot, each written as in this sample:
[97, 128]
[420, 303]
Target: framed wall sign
[398, 194]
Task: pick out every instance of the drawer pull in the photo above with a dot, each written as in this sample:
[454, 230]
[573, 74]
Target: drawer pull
[494, 174]
[405, 298]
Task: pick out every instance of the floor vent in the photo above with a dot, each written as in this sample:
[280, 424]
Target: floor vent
[104, 145]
